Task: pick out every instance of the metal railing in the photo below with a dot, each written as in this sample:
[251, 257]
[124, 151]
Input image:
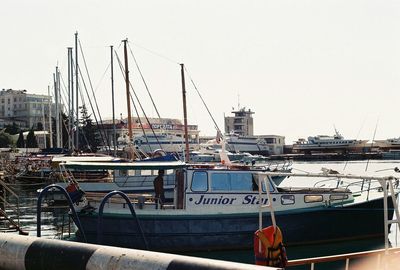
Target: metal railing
[381, 255]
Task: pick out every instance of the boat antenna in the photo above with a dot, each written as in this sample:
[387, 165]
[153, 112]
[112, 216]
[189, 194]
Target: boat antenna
[372, 144]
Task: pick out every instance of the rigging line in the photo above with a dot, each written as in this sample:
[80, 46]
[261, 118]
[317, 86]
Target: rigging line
[358, 134]
[372, 144]
[102, 77]
[82, 131]
[204, 103]
[140, 121]
[144, 82]
[94, 97]
[155, 53]
[90, 82]
[94, 113]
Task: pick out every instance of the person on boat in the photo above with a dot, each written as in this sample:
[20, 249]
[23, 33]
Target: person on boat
[159, 187]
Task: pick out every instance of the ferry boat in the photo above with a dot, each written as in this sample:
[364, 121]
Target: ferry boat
[219, 209]
[326, 143]
[393, 143]
[238, 144]
[169, 143]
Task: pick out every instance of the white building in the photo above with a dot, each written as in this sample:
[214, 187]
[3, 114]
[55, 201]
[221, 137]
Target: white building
[241, 123]
[22, 108]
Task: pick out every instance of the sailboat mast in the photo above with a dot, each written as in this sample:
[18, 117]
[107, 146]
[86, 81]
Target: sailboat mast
[187, 156]
[77, 92]
[50, 120]
[113, 104]
[56, 100]
[128, 101]
[69, 98]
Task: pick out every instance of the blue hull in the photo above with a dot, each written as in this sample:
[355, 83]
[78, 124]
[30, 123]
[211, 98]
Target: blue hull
[221, 232]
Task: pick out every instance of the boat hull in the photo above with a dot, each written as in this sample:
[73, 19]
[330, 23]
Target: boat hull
[235, 231]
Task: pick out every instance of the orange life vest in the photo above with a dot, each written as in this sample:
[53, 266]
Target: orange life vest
[271, 252]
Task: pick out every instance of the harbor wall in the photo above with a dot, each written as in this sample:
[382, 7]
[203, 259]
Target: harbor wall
[26, 253]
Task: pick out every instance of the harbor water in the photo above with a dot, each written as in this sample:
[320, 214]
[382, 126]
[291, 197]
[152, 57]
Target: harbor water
[55, 220]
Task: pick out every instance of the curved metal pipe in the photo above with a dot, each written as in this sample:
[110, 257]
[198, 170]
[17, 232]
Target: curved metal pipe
[100, 216]
[70, 203]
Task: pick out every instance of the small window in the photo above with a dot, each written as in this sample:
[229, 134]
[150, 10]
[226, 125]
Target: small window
[200, 181]
[338, 197]
[313, 198]
[287, 199]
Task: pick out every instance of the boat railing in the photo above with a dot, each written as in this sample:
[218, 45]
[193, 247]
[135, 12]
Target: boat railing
[375, 259]
[143, 180]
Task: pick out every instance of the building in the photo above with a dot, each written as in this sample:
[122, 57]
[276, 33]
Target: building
[241, 123]
[275, 143]
[26, 110]
[158, 125]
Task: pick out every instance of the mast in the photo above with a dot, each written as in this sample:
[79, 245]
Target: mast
[77, 92]
[112, 98]
[59, 126]
[69, 98]
[44, 123]
[50, 120]
[56, 100]
[128, 102]
[185, 113]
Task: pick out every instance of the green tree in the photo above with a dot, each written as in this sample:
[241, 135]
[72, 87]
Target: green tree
[21, 141]
[89, 136]
[31, 141]
[39, 126]
[5, 139]
[12, 129]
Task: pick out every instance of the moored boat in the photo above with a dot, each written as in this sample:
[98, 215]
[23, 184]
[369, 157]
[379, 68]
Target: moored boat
[321, 143]
[219, 209]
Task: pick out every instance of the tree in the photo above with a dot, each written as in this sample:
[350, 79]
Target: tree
[21, 141]
[12, 129]
[89, 136]
[5, 139]
[31, 141]
[39, 126]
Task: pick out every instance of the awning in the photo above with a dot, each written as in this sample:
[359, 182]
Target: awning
[142, 165]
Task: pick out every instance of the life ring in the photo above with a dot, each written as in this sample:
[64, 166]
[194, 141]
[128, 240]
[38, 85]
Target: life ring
[271, 252]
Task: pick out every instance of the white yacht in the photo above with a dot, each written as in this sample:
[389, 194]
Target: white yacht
[169, 143]
[324, 142]
[393, 143]
[238, 144]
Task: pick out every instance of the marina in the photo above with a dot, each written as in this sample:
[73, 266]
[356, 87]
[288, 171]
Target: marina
[57, 219]
[199, 135]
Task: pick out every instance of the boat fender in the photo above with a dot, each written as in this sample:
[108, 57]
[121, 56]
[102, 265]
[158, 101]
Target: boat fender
[272, 251]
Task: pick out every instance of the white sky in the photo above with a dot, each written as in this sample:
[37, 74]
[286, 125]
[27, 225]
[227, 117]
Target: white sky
[302, 66]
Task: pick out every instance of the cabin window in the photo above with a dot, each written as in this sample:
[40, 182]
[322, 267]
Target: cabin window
[199, 181]
[287, 199]
[233, 182]
[242, 181]
[313, 198]
[220, 181]
[337, 197]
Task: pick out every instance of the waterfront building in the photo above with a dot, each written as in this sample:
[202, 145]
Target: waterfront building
[26, 110]
[241, 123]
[160, 126]
[275, 143]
